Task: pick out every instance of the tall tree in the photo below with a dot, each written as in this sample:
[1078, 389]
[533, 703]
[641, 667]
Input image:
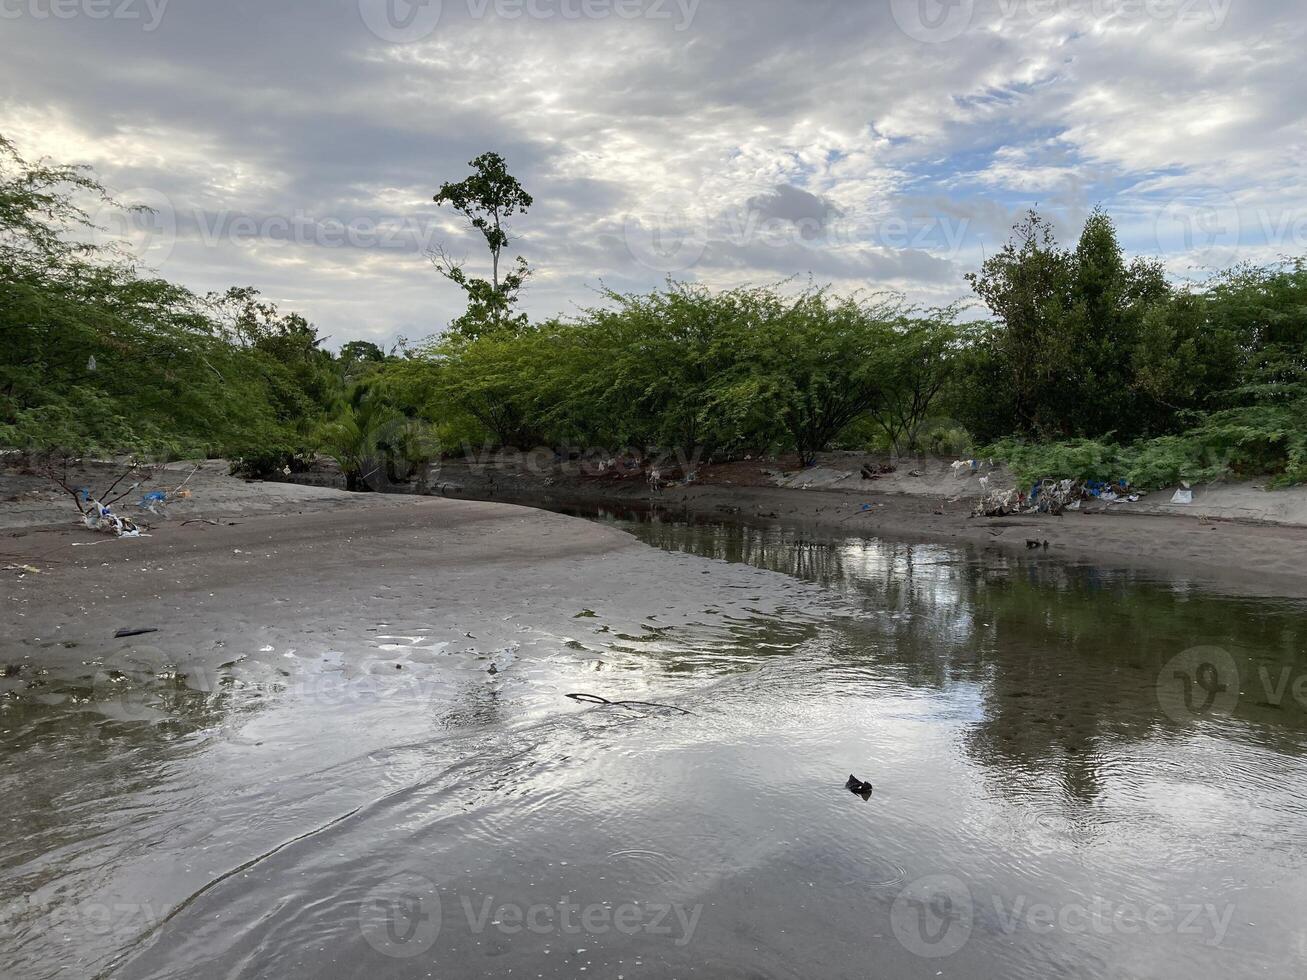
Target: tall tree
[487, 199]
[1069, 323]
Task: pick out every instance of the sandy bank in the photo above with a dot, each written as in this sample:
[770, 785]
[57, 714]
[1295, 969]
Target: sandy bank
[321, 589]
[1235, 535]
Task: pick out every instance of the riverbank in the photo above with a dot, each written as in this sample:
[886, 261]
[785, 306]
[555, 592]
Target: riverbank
[1233, 536]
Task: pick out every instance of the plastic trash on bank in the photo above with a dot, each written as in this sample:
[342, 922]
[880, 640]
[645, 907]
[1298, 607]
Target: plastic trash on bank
[155, 502]
[99, 517]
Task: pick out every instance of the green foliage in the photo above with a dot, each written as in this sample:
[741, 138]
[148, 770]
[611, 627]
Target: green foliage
[101, 359]
[1058, 359]
[1240, 443]
[1091, 367]
[686, 369]
[374, 443]
[1087, 352]
[487, 199]
[361, 351]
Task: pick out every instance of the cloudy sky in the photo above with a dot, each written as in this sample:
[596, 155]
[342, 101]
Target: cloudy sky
[296, 145]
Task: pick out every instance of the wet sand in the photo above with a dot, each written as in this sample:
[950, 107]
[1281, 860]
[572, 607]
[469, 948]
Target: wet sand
[322, 576]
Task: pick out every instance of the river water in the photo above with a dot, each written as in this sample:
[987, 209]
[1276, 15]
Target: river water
[1076, 772]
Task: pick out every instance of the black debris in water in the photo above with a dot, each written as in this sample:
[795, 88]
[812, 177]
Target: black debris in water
[858, 788]
[137, 632]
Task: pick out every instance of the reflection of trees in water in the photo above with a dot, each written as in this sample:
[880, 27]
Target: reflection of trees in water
[1065, 655]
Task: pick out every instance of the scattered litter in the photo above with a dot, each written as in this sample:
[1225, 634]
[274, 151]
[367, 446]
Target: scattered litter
[873, 471]
[154, 502]
[1032, 544]
[135, 632]
[98, 515]
[965, 467]
[1183, 496]
[632, 705]
[1050, 497]
[24, 569]
[858, 788]
[157, 501]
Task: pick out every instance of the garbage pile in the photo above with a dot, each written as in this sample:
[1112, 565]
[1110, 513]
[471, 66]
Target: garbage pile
[1052, 497]
[100, 517]
[96, 507]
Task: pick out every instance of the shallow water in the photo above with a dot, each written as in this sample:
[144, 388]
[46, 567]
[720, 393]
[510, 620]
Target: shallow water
[1077, 772]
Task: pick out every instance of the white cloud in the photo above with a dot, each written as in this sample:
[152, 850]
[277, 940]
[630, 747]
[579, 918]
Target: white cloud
[298, 112]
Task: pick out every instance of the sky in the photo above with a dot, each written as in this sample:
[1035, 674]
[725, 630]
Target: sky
[871, 144]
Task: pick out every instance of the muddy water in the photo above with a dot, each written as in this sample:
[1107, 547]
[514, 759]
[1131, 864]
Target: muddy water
[1076, 773]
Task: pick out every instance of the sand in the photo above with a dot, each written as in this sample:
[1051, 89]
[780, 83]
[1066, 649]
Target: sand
[1229, 538]
[327, 578]
[1235, 537]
